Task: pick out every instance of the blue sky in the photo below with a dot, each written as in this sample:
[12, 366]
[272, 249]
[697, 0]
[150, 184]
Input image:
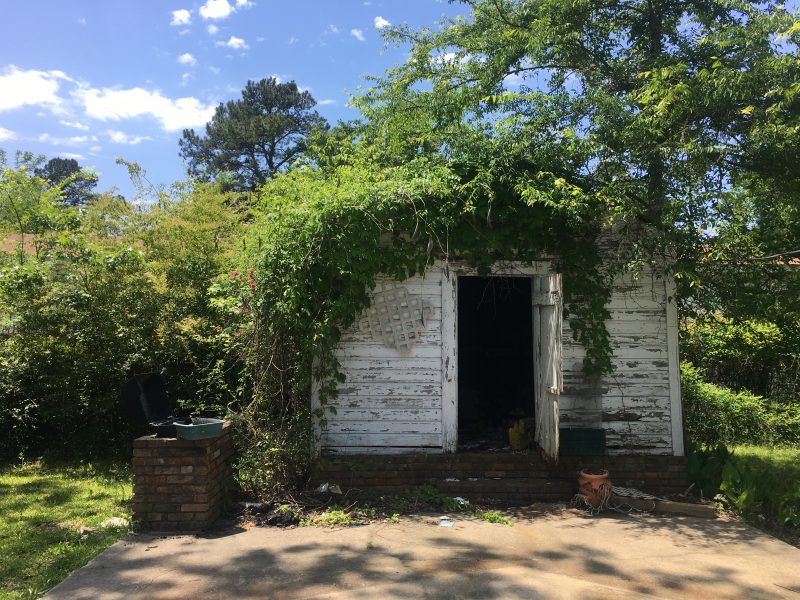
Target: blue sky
[95, 80]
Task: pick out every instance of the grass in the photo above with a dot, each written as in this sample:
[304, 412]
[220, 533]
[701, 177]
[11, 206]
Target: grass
[764, 488]
[783, 462]
[43, 511]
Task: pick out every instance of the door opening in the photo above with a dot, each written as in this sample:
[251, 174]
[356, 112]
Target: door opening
[495, 359]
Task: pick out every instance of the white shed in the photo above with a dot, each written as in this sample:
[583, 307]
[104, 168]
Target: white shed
[447, 360]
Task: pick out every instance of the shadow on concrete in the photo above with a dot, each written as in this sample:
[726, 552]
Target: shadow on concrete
[369, 568]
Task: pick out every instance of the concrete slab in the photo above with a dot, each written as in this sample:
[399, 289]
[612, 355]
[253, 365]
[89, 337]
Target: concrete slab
[557, 555]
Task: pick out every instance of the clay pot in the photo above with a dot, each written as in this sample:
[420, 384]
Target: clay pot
[596, 487]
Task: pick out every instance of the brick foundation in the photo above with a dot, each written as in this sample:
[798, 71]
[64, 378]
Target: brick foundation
[179, 485]
[508, 477]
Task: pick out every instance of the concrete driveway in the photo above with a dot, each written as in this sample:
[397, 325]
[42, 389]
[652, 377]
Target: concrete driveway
[552, 554]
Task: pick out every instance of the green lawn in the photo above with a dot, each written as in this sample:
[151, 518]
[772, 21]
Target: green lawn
[783, 462]
[42, 512]
[766, 490]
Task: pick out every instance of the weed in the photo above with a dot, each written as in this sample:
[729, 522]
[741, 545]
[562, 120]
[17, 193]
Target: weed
[428, 494]
[493, 516]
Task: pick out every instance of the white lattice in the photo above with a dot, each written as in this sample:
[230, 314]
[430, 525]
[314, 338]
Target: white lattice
[396, 318]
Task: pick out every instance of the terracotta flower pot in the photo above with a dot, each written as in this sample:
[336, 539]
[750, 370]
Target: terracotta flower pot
[596, 487]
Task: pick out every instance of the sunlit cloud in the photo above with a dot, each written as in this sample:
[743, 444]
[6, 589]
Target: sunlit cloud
[120, 137]
[216, 9]
[358, 34]
[106, 104]
[75, 125]
[235, 43]
[6, 135]
[187, 59]
[75, 140]
[19, 88]
[181, 17]
[380, 23]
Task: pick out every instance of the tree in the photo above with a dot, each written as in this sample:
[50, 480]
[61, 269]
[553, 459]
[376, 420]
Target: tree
[652, 112]
[254, 138]
[29, 211]
[76, 184]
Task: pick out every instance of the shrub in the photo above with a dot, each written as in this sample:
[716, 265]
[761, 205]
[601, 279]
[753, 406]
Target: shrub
[758, 356]
[717, 415]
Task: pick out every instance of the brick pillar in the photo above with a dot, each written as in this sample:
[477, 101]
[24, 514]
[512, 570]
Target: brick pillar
[178, 485]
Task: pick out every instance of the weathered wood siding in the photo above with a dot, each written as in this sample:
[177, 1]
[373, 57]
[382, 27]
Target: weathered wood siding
[633, 404]
[393, 403]
[390, 402]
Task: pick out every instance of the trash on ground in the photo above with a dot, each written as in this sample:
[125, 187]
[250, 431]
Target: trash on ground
[329, 488]
[115, 522]
[446, 522]
[452, 479]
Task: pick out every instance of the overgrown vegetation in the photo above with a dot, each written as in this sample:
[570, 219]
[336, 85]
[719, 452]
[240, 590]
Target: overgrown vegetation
[717, 415]
[609, 137]
[50, 522]
[760, 483]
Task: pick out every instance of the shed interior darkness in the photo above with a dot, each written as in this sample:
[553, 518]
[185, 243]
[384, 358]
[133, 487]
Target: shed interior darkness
[495, 359]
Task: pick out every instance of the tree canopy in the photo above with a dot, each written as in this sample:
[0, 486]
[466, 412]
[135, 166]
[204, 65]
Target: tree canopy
[76, 184]
[651, 114]
[253, 138]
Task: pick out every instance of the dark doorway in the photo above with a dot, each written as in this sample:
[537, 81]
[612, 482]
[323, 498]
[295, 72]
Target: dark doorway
[495, 359]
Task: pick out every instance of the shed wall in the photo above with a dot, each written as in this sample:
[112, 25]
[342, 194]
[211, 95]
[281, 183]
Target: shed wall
[392, 403]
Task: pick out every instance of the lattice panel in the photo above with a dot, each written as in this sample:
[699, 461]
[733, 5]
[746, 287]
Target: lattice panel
[396, 319]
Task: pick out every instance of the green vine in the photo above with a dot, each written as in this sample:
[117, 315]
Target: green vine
[328, 233]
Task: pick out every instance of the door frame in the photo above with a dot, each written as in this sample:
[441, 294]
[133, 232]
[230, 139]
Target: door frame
[451, 271]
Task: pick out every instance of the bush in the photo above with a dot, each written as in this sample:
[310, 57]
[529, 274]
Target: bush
[717, 415]
[758, 486]
[758, 356]
[112, 294]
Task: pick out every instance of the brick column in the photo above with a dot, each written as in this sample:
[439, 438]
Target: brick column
[178, 485]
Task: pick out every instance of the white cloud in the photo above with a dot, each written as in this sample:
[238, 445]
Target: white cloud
[333, 29]
[71, 155]
[380, 23]
[18, 88]
[95, 149]
[107, 104]
[75, 125]
[81, 21]
[6, 135]
[244, 4]
[513, 80]
[216, 9]
[181, 17]
[215, 70]
[75, 140]
[235, 43]
[326, 102]
[187, 59]
[292, 40]
[120, 137]
[212, 29]
[358, 34]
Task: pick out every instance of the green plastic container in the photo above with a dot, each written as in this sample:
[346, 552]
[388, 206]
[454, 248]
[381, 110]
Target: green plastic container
[582, 442]
[201, 428]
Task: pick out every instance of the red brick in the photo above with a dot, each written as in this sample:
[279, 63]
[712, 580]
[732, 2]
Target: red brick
[195, 507]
